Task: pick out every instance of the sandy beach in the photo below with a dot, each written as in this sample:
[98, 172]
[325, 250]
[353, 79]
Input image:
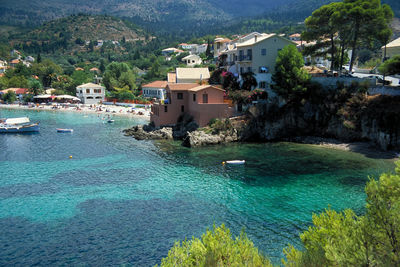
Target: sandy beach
[367, 149]
[112, 110]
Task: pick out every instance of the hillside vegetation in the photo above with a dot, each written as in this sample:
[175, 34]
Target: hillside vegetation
[79, 33]
[165, 15]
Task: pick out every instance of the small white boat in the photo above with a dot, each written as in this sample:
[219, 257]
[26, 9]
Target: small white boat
[18, 125]
[110, 121]
[234, 162]
[60, 130]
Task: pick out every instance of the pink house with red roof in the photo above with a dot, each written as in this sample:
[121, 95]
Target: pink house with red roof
[203, 102]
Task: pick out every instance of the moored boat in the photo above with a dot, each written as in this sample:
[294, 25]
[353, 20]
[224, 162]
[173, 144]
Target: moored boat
[18, 125]
[234, 162]
[61, 130]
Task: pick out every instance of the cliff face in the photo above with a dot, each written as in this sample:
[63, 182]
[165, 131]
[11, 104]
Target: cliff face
[376, 120]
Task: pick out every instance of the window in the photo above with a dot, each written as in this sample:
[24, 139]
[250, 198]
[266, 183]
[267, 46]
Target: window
[205, 98]
[248, 69]
[194, 97]
[241, 70]
[182, 108]
[80, 91]
[249, 54]
[89, 97]
[241, 55]
[165, 108]
[87, 91]
[180, 95]
[263, 52]
[263, 85]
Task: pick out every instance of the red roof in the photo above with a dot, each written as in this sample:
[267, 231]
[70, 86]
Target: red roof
[182, 86]
[14, 61]
[156, 84]
[18, 91]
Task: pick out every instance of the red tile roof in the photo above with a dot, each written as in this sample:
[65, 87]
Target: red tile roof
[181, 86]
[18, 91]
[156, 84]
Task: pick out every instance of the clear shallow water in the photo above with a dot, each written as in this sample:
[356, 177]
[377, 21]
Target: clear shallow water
[121, 201]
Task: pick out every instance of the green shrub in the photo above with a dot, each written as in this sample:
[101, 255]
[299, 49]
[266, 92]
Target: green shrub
[215, 248]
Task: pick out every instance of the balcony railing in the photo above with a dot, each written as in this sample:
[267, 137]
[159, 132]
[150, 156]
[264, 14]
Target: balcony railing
[245, 58]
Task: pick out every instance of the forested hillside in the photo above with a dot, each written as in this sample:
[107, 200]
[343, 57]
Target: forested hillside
[178, 16]
[79, 32]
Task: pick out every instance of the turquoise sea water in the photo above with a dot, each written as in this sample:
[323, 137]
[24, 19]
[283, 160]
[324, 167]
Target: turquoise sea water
[122, 201]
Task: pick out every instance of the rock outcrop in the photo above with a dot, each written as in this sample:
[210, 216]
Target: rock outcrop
[201, 138]
[144, 132]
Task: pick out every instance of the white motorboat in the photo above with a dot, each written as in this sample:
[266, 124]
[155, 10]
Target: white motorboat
[234, 162]
[18, 125]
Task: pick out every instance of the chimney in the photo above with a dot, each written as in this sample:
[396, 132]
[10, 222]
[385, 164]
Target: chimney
[255, 38]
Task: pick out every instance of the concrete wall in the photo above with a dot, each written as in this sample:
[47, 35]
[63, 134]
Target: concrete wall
[331, 82]
[384, 90]
[391, 51]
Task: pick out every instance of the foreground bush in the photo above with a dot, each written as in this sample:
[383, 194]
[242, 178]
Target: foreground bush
[215, 248]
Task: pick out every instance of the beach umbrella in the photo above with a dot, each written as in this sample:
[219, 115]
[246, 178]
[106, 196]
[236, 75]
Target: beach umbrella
[70, 97]
[42, 96]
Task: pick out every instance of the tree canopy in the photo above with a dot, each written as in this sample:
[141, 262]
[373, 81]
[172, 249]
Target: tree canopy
[391, 66]
[351, 23]
[215, 248]
[118, 76]
[290, 78]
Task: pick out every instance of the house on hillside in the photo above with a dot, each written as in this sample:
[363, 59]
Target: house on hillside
[192, 75]
[192, 60]
[14, 63]
[256, 53]
[220, 45]
[90, 93]
[171, 77]
[392, 49]
[169, 51]
[295, 37]
[202, 102]
[155, 89]
[185, 46]
[199, 49]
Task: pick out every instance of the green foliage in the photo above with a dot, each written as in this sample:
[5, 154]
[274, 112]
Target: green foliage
[35, 87]
[17, 82]
[81, 77]
[66, 84]
[391, 66]
[249, 81]
[9, 97]
[119, 75]
[47, 71]
[357, 22]
[215, 248]
[240, 96]
[345, 239]
[290, 78]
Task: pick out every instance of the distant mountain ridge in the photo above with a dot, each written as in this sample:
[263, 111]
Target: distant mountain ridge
[162, 15]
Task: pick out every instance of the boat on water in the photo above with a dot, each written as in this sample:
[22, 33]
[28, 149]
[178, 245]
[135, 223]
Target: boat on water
[18, 125]
[234, 162]
[61, 130]
[110, 121]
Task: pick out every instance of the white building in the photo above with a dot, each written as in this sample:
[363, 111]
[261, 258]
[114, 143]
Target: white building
[90, 93]
[199, 49]
[187, 46]
[192, 60]
[192, 75]
[155, 90]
